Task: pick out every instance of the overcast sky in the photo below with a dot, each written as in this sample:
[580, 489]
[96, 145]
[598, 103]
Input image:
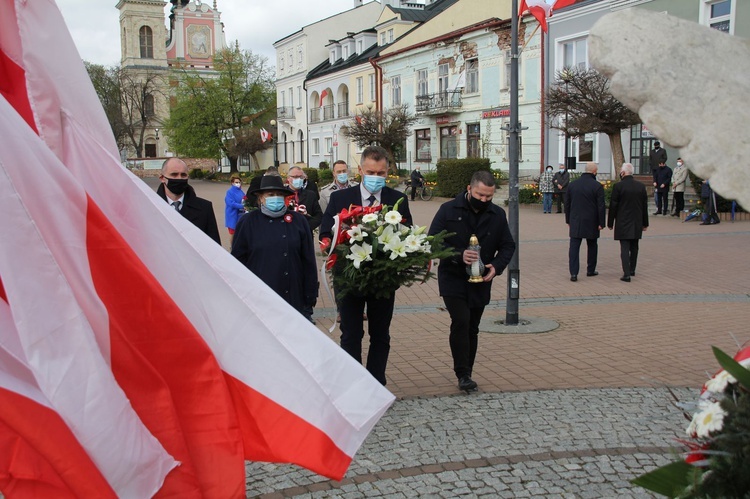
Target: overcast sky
[94, 24]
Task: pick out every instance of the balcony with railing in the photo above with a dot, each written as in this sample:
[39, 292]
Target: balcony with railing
[315, 115]
[343, 110]
[285, 113]
[440, 103]
[328, 112]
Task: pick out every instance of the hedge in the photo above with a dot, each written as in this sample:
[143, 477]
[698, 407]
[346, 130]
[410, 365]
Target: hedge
[453, 175]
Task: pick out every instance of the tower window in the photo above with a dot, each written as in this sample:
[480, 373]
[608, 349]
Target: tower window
[147, 42]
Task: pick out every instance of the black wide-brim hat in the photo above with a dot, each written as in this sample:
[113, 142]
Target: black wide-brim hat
[271, 183]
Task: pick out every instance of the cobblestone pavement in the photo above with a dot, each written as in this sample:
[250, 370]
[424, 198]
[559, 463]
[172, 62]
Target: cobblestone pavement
[574, 412]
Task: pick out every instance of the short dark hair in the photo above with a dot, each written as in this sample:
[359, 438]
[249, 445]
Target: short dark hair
[339, 162]
[375, 153]
[483, 177]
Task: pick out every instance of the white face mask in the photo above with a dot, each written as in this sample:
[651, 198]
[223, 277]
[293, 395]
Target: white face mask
[679, 163]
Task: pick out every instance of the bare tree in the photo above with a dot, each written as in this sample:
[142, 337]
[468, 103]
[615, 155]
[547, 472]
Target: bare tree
[387, 129]
[247, 141]
[106, 81]
[579, 102]
[139, 91]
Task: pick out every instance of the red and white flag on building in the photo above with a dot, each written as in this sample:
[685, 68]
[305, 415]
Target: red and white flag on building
[323, 95]
[137, 357]
[542, 9]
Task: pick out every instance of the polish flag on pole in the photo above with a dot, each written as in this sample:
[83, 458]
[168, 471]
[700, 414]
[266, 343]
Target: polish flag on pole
[137, 357]
[542, 10]
[323, 96]
[264, 135]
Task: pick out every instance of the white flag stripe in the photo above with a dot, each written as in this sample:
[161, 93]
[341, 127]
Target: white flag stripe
[256, 336]
[57, 337]
[243, 321]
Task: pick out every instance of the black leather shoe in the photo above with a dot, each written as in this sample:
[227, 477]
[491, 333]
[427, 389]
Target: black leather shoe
[574, 278]
[705, 223]
[467, 384]
[657, 213]
[592, 274]
[625, 278]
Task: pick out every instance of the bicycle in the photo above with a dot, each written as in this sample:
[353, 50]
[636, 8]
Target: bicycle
[425, 192]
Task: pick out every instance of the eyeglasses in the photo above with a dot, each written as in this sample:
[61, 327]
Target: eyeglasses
[298, 176]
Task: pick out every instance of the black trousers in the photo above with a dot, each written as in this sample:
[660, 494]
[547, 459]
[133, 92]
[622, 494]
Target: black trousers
[628, 255]
[663, 206]
[559, 196]
[379, 314]
[464, 333]
[591, 255]
[679, 199]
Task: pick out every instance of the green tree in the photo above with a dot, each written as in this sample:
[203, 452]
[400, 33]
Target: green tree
[387, 129]
[216, 114]
[579, 102]
[139, 93]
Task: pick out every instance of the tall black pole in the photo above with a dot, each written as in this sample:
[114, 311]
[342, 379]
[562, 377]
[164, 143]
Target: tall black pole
[514, 278]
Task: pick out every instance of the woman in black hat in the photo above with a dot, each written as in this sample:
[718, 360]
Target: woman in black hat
[276, 244]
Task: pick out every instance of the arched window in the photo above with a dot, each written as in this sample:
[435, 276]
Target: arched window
[147, 42]
[148, 105]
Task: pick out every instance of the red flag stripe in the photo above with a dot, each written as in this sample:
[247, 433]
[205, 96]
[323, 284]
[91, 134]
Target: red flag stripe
[37, 463]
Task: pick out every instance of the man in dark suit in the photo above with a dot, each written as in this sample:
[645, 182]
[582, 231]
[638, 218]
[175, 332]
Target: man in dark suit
[371, 192]
[471, 213]
[656, 157]
[629, 207]
[305, 201]
[585, 215]
[174, 189]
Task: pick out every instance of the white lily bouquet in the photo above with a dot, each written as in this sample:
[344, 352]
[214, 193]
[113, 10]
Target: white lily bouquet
[717, 463]
[375, 253]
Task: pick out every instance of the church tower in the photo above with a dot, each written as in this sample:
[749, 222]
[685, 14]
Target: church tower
[151, 48]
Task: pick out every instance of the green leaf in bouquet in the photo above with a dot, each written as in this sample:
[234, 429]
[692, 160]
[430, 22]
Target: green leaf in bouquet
[733, 367]
[670, 480]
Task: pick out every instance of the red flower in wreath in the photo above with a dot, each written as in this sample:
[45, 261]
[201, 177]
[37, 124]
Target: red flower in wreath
[288, 218]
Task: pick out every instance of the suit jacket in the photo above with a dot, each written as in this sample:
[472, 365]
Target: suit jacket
[663, 176]
[198, 210]
[495, 239]
[561, 177]
[628, 209]
[584, 207]
[657, 156]
[346, 197]
[314, 213]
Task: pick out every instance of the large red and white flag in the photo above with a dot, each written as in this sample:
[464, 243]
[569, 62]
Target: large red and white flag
[137, 357]
[542, 9]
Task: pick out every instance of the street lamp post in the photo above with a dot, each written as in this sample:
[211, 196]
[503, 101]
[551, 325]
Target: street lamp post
[157, 142]
[275, 154]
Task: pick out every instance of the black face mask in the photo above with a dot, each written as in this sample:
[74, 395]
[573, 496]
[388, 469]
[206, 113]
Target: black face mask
[478, 204]
[177, 186]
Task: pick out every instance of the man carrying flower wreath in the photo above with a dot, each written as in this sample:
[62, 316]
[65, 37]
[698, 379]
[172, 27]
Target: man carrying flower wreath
[372, 192]
[470, 213]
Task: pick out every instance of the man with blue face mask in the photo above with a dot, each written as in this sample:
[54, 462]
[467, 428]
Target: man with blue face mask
[340, 181]
[305, 201]
[371, 192]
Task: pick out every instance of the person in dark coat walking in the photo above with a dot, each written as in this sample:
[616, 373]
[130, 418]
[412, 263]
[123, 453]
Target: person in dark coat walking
[175, 190]
[628, 214]
[656, 157]
[585, 215]
[276, 244]
[662, 180]
[371, 192]
[470, 213]
[560, 183]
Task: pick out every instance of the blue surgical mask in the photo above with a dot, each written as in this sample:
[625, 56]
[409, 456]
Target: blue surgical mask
[342, 178]
[275, 203]
[297, 183]
[373, 183]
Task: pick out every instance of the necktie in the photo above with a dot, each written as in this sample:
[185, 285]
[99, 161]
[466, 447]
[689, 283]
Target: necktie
[176, 205]
[371, 199]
